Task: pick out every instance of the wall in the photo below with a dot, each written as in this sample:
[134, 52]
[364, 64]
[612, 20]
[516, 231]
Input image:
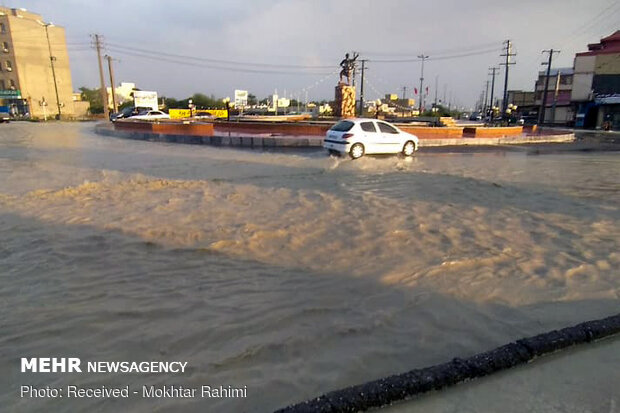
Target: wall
[31, 62]
[582, 78]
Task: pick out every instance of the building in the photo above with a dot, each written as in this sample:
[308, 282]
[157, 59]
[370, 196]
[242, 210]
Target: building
[123, 93]
[596, 85]
[80, 107]
[558, 107]
[526, 103]
[35, 77]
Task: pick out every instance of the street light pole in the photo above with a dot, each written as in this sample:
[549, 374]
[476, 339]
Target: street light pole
[423, 57]
[52, 58]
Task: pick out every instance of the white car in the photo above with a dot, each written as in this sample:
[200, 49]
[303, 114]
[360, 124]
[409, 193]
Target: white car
[358, 137]
[152, 115]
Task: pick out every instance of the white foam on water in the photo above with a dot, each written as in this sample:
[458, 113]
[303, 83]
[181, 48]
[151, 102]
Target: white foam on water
[478, 253]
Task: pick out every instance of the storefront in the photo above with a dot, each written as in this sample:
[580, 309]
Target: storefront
[11, 102]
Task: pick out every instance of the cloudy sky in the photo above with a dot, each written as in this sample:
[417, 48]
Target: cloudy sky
[186, 46]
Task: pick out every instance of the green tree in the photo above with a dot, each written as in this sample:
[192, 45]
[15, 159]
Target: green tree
[92, 96]
[172, 103]
[126, 104]
[200, 100]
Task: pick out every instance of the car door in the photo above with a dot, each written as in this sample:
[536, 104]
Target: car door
[390, 138]
[370, 137]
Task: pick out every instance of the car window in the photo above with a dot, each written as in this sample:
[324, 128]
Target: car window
[342, 126]
[385, 128]
[368, 127]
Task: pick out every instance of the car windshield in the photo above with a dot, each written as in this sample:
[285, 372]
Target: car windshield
[342, 126]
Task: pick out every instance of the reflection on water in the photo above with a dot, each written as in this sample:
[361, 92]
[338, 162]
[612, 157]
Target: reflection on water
[290, 272]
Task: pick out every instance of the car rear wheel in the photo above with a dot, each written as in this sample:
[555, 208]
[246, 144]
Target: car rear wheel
[356, 151]
[408, 148]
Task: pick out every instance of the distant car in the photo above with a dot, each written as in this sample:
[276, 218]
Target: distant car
[203, 115]
[152, 115]
[359, 137]
[4, 117]
[128, 112]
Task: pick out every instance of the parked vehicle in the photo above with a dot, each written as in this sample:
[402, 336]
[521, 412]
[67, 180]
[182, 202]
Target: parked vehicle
[359, 137]
[129, 112]
[203, 115]
[152, 115]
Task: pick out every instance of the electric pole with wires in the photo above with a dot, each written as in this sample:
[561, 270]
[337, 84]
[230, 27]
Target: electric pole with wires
[541, 113]
[507, 55]
[111, 72]
[493, 70]
[362, 86]
[104, 92]
[423, 57]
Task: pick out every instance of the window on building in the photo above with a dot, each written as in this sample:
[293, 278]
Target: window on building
[9, 66]
[2, 28]
[2, 84]
[566, 80]
[12, 84]
[5, 47]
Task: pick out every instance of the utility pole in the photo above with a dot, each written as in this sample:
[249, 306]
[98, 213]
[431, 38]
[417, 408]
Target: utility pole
[493, 70]
[541, 114]
[423, 57]
[555, 95]
[362, 87]
[445, 91]
[104, 92]
[486, 96]
[355, 55]
[507, 55]
[436, 88]
[52, 59]
[404, 92]
[112, 83]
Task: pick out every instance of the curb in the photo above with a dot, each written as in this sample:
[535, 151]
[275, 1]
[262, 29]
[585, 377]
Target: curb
[399, 387]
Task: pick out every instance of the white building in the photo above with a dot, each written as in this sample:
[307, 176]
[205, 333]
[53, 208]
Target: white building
[122, 93]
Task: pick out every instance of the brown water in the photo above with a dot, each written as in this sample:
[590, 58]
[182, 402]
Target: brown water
[292, 273]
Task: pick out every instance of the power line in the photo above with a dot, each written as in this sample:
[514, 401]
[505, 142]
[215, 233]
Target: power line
[455, 56]
[434, 52]
[203, 59]
[227, 68]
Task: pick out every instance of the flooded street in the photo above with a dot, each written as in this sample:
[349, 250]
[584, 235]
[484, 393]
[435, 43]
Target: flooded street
[293, 273]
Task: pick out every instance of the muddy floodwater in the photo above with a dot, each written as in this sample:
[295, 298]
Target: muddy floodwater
[292, 273]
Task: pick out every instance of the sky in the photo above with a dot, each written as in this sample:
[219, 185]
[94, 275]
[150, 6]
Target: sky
[182, 47]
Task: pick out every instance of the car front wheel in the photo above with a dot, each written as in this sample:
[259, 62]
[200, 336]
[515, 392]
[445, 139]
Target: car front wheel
[409, 148]
[356, 151]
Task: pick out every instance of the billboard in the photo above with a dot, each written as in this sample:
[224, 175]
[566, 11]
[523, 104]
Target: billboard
[241, 98]
[185, 113]
[145, 99]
